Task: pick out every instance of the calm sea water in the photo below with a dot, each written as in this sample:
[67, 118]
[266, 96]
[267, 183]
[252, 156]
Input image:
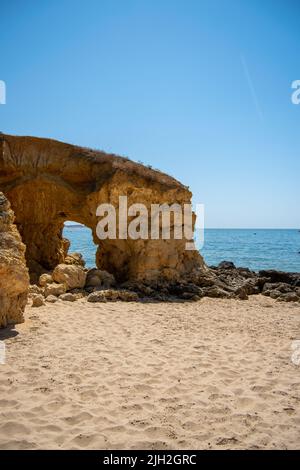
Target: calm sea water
[253, 248]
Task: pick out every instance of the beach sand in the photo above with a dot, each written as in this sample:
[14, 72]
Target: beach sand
[210, 374]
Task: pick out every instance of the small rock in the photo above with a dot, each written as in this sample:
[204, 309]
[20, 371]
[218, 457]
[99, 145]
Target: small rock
[34, 289]
[79, 293]
[128, 296]
[289, 297]
[45, 279]
[226, 265]
[55, 289]
[96, 297]
[51, 299]
[112, 295]
[279, 286]
[75, 258]
[215, 292]
[37, 300]
[98, 278]
[279, 276]
[241, 293]
[251, 287]
[68, 297]
[196, 298]
[274, 294]
[266, 293]
[189, 296]
[246, 273]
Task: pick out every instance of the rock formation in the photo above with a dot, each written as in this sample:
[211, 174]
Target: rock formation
[241, 282]
[14, 279]
[50, 182]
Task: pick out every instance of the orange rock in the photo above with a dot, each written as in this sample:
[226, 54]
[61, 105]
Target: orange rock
[14, 279]
[50, 182]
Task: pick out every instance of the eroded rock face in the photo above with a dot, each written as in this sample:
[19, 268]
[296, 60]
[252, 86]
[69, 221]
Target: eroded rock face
[50, 182]
[14, 279]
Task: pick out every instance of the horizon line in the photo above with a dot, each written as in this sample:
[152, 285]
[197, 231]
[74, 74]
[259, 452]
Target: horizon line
[77, 224]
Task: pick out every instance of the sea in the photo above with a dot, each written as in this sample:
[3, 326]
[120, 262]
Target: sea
[252, 248]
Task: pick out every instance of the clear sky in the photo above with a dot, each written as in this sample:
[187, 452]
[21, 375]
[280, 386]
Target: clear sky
[200, 89]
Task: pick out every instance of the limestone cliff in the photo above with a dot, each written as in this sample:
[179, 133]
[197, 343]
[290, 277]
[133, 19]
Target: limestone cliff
[14, 279]
[50, 182]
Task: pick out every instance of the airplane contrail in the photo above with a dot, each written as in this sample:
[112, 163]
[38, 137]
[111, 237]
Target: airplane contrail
[252, 89]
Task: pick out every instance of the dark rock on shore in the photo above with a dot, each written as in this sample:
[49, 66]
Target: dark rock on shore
[281, 276]
[224, 281]
[226, 265]
[279, 285]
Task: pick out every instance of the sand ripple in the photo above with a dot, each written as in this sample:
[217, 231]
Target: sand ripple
[211, 374]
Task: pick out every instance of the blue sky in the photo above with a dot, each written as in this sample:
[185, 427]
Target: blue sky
[198, 89]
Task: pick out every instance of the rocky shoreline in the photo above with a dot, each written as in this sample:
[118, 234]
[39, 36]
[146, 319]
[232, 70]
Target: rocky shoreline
[70, 282]
[62, 182]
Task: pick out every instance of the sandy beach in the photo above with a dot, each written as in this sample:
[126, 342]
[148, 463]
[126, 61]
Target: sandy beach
[208, 374]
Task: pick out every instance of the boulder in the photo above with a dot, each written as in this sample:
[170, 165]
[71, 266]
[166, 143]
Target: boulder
[14, 279]
[72, 276]
[99, 278]
[68, 297]
[45, 279]
[54, 289]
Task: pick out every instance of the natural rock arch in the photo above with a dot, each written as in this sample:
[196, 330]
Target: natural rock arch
[48, 182]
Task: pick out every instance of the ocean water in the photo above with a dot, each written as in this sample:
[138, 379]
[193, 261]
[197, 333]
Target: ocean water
[253, 248]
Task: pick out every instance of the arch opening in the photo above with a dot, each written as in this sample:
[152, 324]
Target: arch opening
[81, 241]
